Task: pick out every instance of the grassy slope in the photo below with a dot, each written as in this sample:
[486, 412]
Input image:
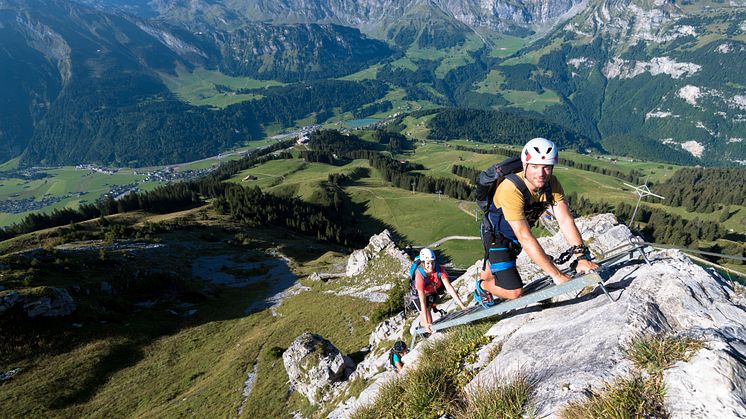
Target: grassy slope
[198, 87]
[152, 363]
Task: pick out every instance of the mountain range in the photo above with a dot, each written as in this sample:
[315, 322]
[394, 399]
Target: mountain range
[86, 82]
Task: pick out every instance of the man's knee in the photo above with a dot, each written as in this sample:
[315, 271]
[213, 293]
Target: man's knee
[513, 294]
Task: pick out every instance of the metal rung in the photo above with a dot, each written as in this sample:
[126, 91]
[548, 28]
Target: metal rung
[545, 289]
[479, 313]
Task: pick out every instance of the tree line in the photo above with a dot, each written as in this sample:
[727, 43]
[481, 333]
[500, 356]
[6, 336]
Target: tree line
[501, 127]
[704, 190]
[664, 227]
[252, 206]
[166, 198]
[633, 176]
[373, 108]
[399, 174]
[131, 132]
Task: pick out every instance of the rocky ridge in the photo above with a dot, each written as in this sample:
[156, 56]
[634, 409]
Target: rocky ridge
[579, 343]
[377, 17]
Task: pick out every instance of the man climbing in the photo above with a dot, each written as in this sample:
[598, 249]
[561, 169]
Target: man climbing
[429, 277]
[517, 204]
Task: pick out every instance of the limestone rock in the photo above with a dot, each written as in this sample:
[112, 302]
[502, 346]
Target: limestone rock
[580, 344]
[315, 367]
[369, 395]
[46, 302]
[54, 302]
[376, 360]
[389, 329]
[382, 242]
[366, 397]
[324, 276]
[602, 233]
[8, 300]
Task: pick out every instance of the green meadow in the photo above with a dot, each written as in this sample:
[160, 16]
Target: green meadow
[531, 101]
[505, 45]
[422, 218]
[199, 87]
[63, 181]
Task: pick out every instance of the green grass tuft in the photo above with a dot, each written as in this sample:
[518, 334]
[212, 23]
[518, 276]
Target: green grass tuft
[634, 397]
[658, 352]
[435, 387]
[638, 396]
[507, 399]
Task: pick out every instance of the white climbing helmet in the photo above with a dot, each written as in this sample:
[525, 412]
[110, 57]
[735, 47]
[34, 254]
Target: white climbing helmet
[426, 254]
[539, 151]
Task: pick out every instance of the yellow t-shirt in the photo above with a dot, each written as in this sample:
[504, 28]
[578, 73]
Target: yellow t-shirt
[510, 199]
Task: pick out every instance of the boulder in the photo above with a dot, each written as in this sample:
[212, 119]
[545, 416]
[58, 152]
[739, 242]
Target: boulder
[52, 302]
[8, 300]
[315, 367]
[378, 243]
[39, 302]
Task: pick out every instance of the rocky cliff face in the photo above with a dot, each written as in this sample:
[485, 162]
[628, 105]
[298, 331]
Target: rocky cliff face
[377, 16]
[315, 367]
[675, 52]
[574, 347]
[296, 52]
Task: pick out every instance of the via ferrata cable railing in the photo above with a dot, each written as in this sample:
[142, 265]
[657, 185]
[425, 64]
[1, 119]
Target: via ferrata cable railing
[543, 289]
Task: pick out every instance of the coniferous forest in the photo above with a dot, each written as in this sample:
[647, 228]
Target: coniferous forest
[704, 190]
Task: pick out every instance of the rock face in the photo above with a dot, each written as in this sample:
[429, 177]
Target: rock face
[380, 242]
[376, 15]
[49, 302]
[315, 367]
[580, 344]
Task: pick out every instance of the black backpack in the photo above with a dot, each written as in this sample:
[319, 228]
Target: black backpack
[491, 178]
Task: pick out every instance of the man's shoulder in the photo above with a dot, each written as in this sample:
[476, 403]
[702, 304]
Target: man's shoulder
[508, 185]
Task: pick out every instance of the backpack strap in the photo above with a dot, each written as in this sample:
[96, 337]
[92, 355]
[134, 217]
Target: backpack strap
[521, 185]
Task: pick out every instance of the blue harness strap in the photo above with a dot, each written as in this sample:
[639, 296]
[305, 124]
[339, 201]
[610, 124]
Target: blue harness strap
[501, 266]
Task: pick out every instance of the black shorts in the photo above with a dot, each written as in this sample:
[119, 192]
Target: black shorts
[430, 299]
[502, 259]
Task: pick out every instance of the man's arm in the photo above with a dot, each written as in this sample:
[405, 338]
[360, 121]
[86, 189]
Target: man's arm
[534, 250]
[571, 233]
